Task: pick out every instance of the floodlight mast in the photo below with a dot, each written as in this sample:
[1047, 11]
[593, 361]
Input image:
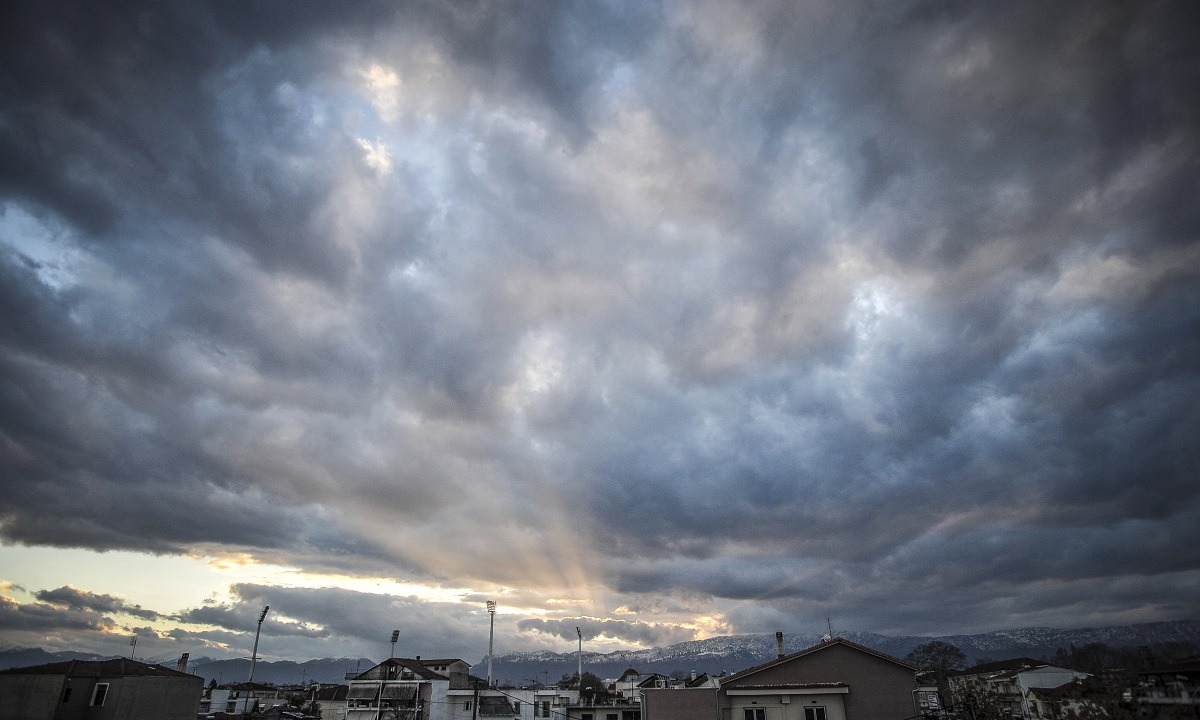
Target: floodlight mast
[395, 637]
[254, 654]
[580, 634]
[491, 607]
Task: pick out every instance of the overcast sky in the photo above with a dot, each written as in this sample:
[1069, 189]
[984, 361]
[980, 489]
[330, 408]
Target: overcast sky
[665, 320]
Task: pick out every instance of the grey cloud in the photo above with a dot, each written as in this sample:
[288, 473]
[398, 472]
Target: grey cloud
[76, 599]
[43, 617]
[641, 633]
[780, 307]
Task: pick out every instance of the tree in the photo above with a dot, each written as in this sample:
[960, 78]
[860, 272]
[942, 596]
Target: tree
[939, 658]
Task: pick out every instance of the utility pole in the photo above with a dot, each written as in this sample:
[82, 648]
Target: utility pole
[491, 607]
[254, 654]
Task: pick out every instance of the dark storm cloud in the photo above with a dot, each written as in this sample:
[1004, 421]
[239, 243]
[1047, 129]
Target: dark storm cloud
[76, 599]
[44, 617]
[808, 306]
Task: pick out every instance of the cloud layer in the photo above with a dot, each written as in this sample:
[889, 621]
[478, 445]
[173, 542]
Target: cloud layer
[740, 316]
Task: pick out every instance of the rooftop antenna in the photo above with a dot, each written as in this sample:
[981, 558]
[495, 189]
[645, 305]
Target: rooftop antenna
[395, 637]
[829, 626]
[491, 608]
[254, 653]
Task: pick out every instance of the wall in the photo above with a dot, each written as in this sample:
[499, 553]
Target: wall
[879, 689]
[680, 704]
[32, 697]
[161, 698]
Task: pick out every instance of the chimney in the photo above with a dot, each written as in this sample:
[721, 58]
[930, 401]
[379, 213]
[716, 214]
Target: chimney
[182, 664]
[779, 643]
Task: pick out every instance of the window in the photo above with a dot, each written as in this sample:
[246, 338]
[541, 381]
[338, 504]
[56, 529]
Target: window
[545, 708]
[610, 716]
[99, 693]
[757, 714]
[814, 713]
[466, 704]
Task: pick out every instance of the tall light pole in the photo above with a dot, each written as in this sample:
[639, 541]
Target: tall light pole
[254, 654]
[133, 644]
[395, 637]
[491, 606]
[580, 671]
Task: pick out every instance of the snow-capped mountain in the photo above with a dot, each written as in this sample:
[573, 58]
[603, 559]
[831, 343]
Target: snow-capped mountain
[737, 652]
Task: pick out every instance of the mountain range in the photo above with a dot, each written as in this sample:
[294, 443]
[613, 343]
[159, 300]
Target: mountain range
[736, 652]
[713, 655]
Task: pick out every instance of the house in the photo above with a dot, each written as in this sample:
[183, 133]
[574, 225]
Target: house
[241, 698]
[833, 680]
[120, 689]
[1171, 687]
[407, 688]
[616, 708]
[332, 700]
[1009, 684]
[1069, 700]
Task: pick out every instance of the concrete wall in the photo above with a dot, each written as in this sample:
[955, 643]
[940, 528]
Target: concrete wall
[32, 697]
[789, 707]
[680, 704]
[161, 698]
[40, 697]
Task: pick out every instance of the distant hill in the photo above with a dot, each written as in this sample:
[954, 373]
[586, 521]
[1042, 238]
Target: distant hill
[737, 652]
[728, 653]
[24, 657]
[279, 672]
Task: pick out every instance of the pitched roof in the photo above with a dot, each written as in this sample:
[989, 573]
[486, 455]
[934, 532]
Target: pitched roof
[333, 692]
[118, 667]
[817, 648]
[418, 667]
[1021, 663]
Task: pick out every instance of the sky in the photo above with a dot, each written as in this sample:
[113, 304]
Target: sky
[664, 320]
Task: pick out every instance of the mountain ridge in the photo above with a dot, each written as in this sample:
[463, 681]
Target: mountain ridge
[728, 653]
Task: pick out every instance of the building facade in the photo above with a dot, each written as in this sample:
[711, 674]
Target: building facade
[834, 680]
[120, 689]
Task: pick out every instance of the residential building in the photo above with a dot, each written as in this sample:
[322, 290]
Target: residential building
[1170, 687]
[1009, 683]
[119, 689]
[834, 680]
[332, 700]
[408, 689]
[241, 698]
[613, 708]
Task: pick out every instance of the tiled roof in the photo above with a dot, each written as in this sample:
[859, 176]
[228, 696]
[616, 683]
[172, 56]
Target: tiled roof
[816, 648]
[119, 667]
[1021, 663]
[333, 692]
